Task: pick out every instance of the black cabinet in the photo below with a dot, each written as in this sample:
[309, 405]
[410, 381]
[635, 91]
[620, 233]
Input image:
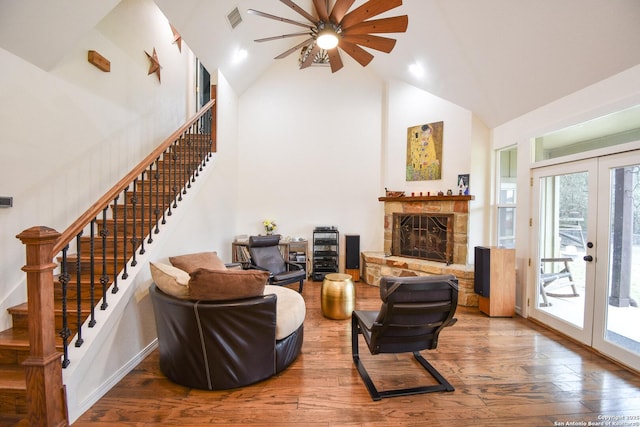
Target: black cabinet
[325, 251]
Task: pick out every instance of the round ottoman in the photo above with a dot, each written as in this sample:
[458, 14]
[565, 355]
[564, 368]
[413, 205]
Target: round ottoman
[337, 296]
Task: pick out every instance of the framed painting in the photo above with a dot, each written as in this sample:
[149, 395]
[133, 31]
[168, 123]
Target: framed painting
[424, 152]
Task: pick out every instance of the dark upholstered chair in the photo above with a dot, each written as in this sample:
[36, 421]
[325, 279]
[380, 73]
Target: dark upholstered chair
[265, 255]
[216, 345]
[414, 311]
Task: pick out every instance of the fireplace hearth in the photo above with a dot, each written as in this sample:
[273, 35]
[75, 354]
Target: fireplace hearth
[423, 236]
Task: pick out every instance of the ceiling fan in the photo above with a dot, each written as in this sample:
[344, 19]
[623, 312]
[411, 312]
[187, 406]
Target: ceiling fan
[341, 29]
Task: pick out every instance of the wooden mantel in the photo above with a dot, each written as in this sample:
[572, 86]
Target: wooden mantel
[456, 198]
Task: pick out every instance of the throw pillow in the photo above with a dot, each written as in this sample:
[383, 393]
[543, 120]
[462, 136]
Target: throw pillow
[219, 285]
[191, 262]
[170, 280]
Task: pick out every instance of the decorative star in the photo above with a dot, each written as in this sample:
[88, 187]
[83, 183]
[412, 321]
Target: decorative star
[177, 38]
[155, 64]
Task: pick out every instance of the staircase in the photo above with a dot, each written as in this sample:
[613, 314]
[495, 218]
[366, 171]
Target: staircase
[95, 253]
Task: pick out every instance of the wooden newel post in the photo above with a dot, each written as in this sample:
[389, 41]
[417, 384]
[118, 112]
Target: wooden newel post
[46, 400]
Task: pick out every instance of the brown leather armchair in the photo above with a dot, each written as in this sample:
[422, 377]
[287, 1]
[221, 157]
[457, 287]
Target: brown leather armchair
[265, 255]
[214, 345]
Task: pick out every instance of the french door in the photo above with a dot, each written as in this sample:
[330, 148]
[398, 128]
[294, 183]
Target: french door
[587, 245]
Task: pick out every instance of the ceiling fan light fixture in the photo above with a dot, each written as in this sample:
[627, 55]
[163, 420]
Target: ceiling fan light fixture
[327, 39]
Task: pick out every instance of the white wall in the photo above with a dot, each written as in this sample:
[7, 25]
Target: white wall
[613, 94]
[309, 153]
[314, 155]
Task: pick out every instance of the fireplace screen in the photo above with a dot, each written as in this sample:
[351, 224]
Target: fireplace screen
[424, 236]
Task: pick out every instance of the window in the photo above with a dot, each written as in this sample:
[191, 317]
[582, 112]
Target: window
[613, 129]
[506, 197]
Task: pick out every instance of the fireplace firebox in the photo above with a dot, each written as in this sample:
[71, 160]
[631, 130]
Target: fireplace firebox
[424, 236]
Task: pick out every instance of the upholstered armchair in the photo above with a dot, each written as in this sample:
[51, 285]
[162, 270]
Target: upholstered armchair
[220, 328]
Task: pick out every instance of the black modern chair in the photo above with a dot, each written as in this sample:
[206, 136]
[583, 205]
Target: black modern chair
[265, 255]
[414, 311]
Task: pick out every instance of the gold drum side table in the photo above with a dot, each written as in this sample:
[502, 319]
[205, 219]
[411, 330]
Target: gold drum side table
[337, 296]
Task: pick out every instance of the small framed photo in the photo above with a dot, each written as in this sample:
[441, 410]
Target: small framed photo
[463, 184]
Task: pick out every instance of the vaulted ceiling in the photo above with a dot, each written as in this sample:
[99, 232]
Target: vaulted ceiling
[497, 58]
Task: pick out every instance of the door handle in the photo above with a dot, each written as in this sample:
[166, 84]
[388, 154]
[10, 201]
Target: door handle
[587, 258]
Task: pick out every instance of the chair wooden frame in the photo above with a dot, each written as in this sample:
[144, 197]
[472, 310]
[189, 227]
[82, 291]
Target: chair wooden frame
[426, 319]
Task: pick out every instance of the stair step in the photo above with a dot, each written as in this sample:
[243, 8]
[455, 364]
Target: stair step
[13, 392]
[12, 377]
[85, 289]
[14, 346]
[20, 315]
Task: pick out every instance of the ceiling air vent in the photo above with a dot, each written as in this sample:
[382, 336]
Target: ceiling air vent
[234, 18]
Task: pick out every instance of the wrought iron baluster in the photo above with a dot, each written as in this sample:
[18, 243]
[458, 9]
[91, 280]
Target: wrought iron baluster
[177, 194]
[125, 233]
[198, 147]
[151, 204]
[64, 333]
[134, 235]
[92, 274]
[189, 168]
[104, 277]
[184, 170]
[115, 288]
[142, 223]
[209, 115]
[166, 184]
[79, 340]
[157, 204]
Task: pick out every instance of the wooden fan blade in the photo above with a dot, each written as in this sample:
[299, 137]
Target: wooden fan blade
[300, 10]
[321, 9]
[278, 18]
[334, 60]
[340, 9]
[397, 24]
[383, 44]
[284, 36]
[368, 10]
[356, 52]
[309, 59]
[293, 49]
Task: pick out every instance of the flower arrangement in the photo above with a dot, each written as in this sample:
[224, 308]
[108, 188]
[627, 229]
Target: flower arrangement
[269, 226]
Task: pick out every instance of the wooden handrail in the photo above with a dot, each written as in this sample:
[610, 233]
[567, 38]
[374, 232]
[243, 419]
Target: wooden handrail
[79, 224]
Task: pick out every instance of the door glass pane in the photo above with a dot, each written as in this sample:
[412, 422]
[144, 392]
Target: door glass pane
[563, 218]
[623, 314]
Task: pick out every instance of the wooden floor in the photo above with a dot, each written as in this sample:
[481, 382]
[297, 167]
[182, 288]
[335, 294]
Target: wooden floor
[506, 372]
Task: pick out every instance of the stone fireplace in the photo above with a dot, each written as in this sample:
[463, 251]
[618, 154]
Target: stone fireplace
[430, 238]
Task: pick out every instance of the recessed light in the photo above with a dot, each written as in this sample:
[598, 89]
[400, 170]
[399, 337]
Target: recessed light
[240, 55]
[416, 69]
